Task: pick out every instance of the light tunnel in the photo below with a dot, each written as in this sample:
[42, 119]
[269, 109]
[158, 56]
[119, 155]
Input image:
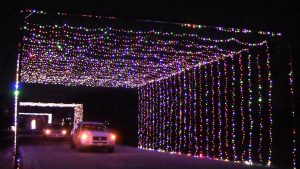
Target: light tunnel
[203, 91]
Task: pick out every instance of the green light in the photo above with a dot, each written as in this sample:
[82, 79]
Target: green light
[259, 99]
[17, 92]
[59, 47]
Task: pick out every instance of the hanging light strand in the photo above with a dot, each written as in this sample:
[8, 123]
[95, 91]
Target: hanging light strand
[250, 109]
[269, 106]
[226, 109]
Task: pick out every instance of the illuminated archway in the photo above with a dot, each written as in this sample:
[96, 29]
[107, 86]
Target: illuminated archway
[78, 108]
[49, 115]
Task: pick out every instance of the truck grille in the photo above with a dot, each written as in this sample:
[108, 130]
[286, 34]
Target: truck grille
[100, 138]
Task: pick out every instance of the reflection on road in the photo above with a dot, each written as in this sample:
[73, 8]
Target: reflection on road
[57, 154]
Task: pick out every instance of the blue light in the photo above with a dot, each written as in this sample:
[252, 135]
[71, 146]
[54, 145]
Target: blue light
[17, 86]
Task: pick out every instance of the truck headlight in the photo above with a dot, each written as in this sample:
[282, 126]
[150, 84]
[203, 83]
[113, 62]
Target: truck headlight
[47, 131]
[85, 137]
[113, 137]
[64, 132]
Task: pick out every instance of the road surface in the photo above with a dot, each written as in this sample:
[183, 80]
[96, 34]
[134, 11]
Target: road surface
[40, 154]
[6, 158]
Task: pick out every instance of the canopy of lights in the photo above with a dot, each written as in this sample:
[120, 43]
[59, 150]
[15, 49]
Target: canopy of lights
[203, 91]
[111, 56]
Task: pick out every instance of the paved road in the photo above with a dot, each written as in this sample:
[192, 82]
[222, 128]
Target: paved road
[6, 151]
[58, 155]
[6, 158]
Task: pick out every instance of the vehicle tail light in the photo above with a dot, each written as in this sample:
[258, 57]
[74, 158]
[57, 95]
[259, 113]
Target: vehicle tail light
[47, 131]
[64, 132]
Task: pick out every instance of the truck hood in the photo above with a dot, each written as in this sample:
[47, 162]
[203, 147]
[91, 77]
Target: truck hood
[97, 133]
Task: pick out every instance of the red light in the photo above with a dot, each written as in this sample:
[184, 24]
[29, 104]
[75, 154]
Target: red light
[47, 131]
[64, 132]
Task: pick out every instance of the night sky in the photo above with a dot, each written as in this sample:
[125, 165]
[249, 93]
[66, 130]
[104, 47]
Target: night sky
[120, 105]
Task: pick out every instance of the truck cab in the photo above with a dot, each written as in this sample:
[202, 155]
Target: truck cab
[92, 135]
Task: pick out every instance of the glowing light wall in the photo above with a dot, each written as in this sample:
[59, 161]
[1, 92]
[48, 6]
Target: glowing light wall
[218, 110]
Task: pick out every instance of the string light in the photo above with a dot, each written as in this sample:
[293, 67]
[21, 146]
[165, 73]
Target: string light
[185, 111]
[201, 112]
[259, 109]
[189, 100]
[163, 120]
[208, 129]
[39, 104]
[233, 95]
[139, 118]
[144, 121]
[242, 107]
[177, 114]
[222, 29]
[219, 114]
[72, 54]
[213, 131]
[157, 114]
[250, 108]
[16, 99]
[49, 115]
[226, 109]
[195, 137]
[293, 115]
[150, 115]
[169, 115]
[232, 30]
[173, 114]
[269, 106]
[180, 114]
[209, 86]
[160, 113]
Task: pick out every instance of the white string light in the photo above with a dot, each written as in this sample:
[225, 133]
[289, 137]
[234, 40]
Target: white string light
[49, 115]
[78, 108]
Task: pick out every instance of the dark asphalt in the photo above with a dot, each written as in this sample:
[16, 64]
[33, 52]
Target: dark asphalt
[40, 154]
[6, 158]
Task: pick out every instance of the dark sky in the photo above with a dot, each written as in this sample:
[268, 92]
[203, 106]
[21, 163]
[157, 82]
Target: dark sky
[269, 15]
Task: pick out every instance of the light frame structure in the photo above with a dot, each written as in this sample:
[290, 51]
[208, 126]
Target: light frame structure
[49, 115]
[78, 108]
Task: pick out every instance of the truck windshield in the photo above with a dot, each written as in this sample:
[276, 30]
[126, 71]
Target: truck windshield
[98, 127]
[55, 126]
